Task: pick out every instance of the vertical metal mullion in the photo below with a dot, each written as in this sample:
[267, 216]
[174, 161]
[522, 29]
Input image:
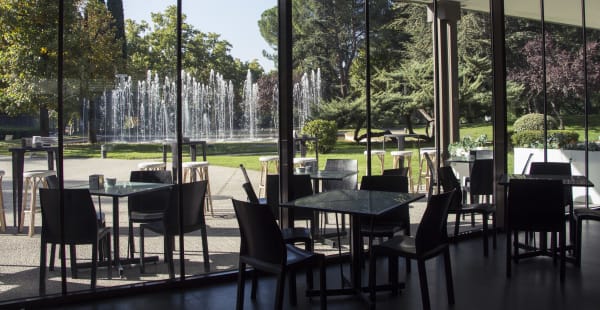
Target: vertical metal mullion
[544, 79]
[586, 99]
[179, 141]
[499, 101]
[368, 83]
[286, 142]
[436, 85]
[59, 155]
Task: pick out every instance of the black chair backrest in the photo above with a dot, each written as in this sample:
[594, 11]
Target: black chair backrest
[397, 171]
[554, 168]
[193, 207]
[252, 198]
[448, 179]
[341, 164]
[245, 173]
[432, 231]
[260, 236]
[535, 205]
[80, 221]
[152, 201]
[302, 187]
[386, 183]
[449, 182]
[482, 177]
[52, 181]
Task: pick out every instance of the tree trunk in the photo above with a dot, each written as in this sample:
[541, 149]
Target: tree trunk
[92, 134]
[409, 125]
[44, 122]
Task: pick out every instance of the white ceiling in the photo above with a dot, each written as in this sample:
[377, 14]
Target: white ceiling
[556, 11]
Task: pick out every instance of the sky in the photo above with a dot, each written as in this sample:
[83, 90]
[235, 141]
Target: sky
[235, 20]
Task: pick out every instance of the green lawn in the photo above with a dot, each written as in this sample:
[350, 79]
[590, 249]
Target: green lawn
[233, 154]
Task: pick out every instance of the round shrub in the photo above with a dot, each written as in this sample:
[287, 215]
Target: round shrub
[534, 121]
[325, 131]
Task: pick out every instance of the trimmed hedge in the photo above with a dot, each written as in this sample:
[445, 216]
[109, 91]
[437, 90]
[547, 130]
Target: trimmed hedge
[534, 121]
[535, 138]
[325, 131]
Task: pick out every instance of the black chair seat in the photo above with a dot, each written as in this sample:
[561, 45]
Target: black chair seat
[480, 208]
[587, 214]
[381, 229]
[296, 234]
[136, 216]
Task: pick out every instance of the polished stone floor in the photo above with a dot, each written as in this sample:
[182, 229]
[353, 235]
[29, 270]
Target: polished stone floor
[480, 283]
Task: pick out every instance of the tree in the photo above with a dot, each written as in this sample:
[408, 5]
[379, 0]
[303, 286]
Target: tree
[93, 58]
[28, 57]
[115, 7]
[564, 75]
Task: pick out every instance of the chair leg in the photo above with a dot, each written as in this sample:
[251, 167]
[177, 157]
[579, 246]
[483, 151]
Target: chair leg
[279, 290]
[52, 256]
[254, 285]
[508, 252]
[42, 280]
[239, 305]
[205, 254]
[108, 255]
[578, 243]
[94, 264]
[142, 267]
[131, 241]
[393, 273]
[449, 282]
[308, 246]
[562, 248]
[169, 253]
[322, 283]
[494, 232]
[457, 224]
[372, 282]
[423, 283]
[73, 254]
[485, 234]
[292, 288]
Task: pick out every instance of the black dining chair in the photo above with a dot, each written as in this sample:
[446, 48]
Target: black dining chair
[431, 240]
[150, 206]
[534, 205]
[563, 169]
[302, 187]
[193, 199]
[263, 248]
[583, 214]
[52, 182]
[482, 183]
[80, 227]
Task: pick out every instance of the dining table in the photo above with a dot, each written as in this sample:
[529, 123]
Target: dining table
[116, 192]
[357, 204]
[18, 165]
[400, 139]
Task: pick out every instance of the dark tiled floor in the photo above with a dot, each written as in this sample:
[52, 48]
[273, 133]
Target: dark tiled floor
[480, 283]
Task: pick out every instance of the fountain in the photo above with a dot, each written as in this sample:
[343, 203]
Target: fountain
[145, 110]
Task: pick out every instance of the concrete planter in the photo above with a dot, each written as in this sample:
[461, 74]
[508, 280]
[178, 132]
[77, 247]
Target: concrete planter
[577, 159]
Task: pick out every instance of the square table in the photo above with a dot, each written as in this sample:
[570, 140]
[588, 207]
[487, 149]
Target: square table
[356, 203]
[18, 164]
[120, 190]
